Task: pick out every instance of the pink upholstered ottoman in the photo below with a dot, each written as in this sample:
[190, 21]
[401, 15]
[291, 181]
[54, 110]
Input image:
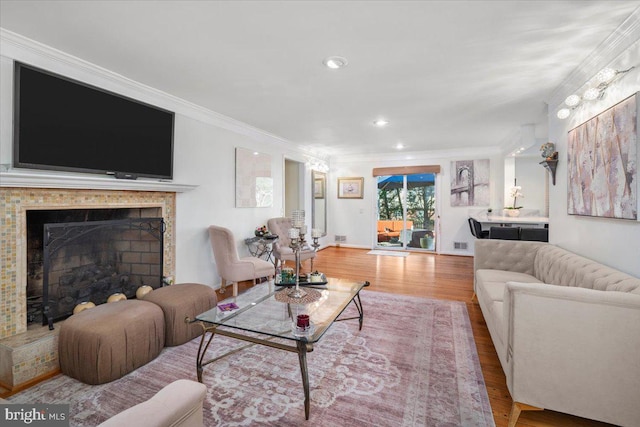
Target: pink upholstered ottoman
[106, 342]
[180, 301]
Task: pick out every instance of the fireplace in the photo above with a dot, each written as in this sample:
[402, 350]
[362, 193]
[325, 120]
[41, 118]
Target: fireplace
[90, 261]
[28, 350]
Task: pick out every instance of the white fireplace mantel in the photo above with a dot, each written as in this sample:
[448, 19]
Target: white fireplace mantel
[13, 178]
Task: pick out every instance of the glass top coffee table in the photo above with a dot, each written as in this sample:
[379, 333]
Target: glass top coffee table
[266, 315]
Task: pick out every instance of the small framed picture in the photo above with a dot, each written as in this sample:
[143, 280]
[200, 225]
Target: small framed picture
[318, 187]
[350, 188]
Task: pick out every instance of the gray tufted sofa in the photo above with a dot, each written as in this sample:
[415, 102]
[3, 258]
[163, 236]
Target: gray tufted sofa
[566, 329]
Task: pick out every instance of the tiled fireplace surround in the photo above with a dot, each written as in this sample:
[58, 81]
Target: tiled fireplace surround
[29, 353]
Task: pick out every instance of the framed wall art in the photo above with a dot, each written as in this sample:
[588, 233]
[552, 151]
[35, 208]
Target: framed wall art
[602, 164]
[319, 184]
[350, 188]
[470, 182]
[254, 182]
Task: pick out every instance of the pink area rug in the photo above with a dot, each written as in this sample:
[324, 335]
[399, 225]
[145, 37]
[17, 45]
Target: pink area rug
[413, 364]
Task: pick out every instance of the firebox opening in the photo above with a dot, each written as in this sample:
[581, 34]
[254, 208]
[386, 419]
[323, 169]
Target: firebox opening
[79, 255]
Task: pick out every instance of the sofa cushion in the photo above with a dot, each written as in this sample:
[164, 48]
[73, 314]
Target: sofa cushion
[560, 267]
[495, 280]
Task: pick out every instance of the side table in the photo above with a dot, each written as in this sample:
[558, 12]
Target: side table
[261, 246]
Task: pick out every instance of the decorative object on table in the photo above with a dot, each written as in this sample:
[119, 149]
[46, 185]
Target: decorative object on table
[470, 182]
[514, 193]
[261, 231]
[117, 297]
[142, 291]
[83, 306]
[311, 279]
[254, 181]
[316, 277]
[601, 162]
[296, 242]
[303, 326]
[228, 306]
[351, 188]
[287, 275]
[311, 295]
[315, 235]
[231, 268]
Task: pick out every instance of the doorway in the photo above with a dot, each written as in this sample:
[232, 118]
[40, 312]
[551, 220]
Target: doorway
[406, 212]
[293, 186]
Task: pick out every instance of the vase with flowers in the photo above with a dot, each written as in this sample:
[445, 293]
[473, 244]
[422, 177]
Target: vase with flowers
[514, 193]
[261, 231]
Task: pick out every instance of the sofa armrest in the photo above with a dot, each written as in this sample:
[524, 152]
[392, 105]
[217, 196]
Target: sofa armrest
[574, 350]
[178, 404]
[508, 255]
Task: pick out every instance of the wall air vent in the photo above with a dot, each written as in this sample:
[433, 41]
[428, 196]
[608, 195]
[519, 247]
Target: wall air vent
[459, 245]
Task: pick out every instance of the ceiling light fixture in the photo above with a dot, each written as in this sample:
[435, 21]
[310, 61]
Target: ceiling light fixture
[563, 113]
[596, 90]
[381, 122]
[335, 62]
[399, 146]
[572, 100]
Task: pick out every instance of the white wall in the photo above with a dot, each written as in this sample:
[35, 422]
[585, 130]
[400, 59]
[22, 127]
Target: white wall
[611, 241]
[356, 218]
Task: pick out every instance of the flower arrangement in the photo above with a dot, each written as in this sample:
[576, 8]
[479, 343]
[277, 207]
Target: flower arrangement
[514, 193]
[261, 231]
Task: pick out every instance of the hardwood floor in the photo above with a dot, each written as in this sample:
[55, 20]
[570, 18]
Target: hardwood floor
[443, 277]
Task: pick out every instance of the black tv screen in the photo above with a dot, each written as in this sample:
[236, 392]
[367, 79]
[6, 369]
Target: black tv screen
[62, 124]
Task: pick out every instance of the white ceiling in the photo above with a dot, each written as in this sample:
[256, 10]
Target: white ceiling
[447, 74]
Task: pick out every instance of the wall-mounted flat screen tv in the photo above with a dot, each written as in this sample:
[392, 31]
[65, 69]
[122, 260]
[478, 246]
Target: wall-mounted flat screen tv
[62, 124]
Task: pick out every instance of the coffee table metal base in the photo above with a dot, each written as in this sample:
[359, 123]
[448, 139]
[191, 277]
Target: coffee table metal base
[302, 348]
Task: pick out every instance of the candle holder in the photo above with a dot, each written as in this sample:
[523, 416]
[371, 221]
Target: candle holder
[296, 235]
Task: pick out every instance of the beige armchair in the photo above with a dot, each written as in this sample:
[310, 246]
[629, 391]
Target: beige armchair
[281, 250]
[232, 268]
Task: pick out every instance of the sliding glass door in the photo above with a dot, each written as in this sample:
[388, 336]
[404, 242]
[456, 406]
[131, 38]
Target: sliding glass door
[406, 211]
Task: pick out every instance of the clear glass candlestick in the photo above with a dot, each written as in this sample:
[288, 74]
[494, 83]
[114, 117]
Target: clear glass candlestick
[296, 292]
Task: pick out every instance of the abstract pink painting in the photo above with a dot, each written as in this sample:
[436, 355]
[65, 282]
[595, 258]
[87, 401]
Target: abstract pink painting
[602, 163]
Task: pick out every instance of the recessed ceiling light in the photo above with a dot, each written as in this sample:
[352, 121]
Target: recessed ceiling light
[381, 122]
[335, 62]
[399, 146]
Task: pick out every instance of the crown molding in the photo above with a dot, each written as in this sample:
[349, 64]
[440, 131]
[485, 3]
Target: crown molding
[622, 38]
[23, 49]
